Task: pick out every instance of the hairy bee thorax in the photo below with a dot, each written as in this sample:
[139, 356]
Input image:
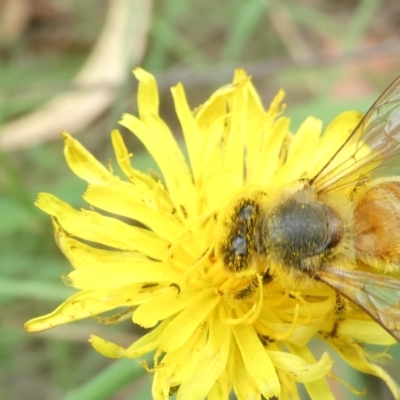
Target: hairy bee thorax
[298, 232]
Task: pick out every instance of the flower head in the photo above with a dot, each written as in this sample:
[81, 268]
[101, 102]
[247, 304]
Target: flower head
[184, 253]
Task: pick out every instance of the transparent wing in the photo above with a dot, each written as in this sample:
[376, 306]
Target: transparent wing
[373, 146]
[377, 295]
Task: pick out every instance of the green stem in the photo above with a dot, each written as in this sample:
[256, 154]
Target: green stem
[108, 382]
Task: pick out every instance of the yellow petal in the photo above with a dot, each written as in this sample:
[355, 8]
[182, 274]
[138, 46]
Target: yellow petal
[145, 181]
[243, 383]
[301, 151]
[257, 360]
[234, 141]
[317, 388]
[334, 136]
[191, 132]
[98, 228]
[83, 163]
[220, 390]
[148, 99]
[211, 364]
[264, 140]
[301, 370]
[180, 329]
[160, 143]
[175, 365]
[342, 126]
[148, 342]
[87, 303]
[114, 276]
[355, 356]
[106, 348]
[122, 199]
[365, 331]
[74, 308]
[214, 111]
[81, 255]
[166, 304]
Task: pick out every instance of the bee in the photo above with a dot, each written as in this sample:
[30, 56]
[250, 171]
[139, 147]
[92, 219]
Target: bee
[340, 227]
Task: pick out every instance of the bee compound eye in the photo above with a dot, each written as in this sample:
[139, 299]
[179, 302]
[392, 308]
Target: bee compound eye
[239, 245]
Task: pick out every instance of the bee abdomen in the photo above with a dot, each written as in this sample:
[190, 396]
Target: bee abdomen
[377, 222]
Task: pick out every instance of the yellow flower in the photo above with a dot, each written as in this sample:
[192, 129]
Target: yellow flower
[173, 250]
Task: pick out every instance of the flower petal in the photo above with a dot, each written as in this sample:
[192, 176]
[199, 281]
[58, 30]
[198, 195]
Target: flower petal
[163, 306]
[365, 331]
[301, 370]
[83, 163]
[148, 99]
[107, 348]
[159, 142]
[98, 228]
[193, 138]
[180, 329]
[264, 144]
[355, 356]
[233, 154]
[88, 303]
[141, 179]
[257, 360]
[220, 390]
[124, 200]
[318, 388]
[81, 255]
[117, 275]
[175, 365]
[299, 154]
[244, 386]
[211, 364]
[148, 342]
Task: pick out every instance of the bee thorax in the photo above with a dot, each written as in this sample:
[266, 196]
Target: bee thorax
[296, 232]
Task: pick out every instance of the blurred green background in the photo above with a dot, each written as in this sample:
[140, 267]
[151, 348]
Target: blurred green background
[328, 56]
